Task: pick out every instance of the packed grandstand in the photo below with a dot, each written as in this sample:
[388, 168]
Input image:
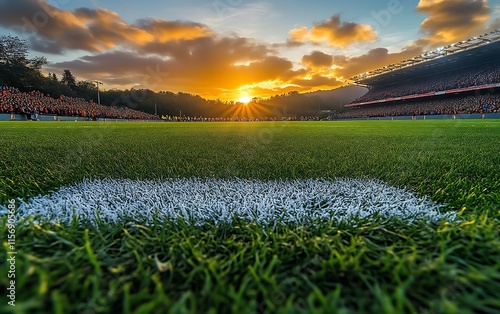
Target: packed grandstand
[464, 104]
[463, 78]
[36, 103]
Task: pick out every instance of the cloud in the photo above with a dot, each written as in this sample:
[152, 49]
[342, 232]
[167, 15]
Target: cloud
[166, 31]
[333, 32]
[53, 30]
[452, 21]
[317, 81]
[373, 59]
[206, 66]
[317, 59]
[298, 36]
[203, 66]
[152, 53]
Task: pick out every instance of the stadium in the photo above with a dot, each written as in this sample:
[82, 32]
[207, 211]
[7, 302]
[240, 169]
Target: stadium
[385, 202]
[461, 78]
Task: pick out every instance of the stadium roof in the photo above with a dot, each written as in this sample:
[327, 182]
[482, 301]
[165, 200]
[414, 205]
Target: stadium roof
[473, 51]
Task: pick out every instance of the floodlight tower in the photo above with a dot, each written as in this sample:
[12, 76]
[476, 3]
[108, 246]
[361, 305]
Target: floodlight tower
[98, 95]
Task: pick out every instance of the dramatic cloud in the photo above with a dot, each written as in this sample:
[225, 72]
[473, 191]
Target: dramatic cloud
[333, 32]
[152, 53]
[452, 21]
[205, 66]
[53, 30]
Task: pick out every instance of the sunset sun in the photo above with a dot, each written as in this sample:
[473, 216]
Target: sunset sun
[245, 99]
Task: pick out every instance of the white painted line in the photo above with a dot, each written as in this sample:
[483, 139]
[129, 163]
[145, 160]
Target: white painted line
[215, 201]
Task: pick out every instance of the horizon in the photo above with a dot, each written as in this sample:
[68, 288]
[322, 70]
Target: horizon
[237, 50]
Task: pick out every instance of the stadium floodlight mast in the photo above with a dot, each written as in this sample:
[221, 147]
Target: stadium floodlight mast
[98, 95]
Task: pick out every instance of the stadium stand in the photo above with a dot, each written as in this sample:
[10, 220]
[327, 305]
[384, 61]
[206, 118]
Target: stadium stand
[467, 104]
[463, 78]
[36, 103]
[477, 76]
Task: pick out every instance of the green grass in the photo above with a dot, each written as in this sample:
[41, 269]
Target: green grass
[383, 267]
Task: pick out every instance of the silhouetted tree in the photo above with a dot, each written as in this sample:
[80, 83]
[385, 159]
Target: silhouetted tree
[13, 50]
[16, 69]
[68, 79]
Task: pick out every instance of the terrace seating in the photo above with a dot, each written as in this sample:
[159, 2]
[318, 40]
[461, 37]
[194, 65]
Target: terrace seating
[443, 81]
[489, 103]
[14, 101]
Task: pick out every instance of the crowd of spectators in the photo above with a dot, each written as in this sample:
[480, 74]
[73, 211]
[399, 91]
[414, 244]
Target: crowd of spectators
[463, 78]
[36, 103]
[489, 103]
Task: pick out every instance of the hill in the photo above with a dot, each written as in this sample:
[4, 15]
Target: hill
[335, 99]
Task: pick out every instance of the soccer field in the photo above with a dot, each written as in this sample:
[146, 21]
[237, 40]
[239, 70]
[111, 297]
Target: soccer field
[362, 264]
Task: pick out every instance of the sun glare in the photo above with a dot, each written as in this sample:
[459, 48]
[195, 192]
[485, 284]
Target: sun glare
[245, 99]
